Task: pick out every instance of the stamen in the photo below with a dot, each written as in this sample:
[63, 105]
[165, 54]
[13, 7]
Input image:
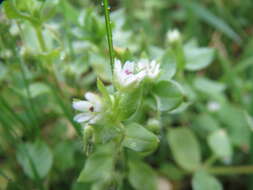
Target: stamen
[91, 109]
[128, 72]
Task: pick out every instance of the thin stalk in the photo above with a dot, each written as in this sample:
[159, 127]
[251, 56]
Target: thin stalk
[209, 162]
[109, 32]
[67, 28]
[41, 40]
[232, 170]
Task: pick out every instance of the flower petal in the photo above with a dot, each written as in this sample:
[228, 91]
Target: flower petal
[91, 97]
[142, 64]
[153, 64]
[95, 118]
[130, 80]
[117, 66]
[141, 75]
[82, 117]
[129, 66]
[81, 105]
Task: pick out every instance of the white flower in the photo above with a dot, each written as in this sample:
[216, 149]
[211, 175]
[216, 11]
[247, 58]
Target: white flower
[173, 36]
[213, 106]
[151, 69]
[91, 109]
[127, 76]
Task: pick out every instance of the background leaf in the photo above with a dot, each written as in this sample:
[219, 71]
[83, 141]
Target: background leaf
[220, 144]
[141, 176]
[185, 148]
[202, 180]
[35, 158]
[168, 94]
[99, 165]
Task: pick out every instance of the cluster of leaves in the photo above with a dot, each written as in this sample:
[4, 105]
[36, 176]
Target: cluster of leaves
[51, 51]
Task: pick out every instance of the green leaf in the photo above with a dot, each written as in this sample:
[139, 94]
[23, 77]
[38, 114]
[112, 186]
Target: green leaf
[235, 121]
[28, 6]
[64, 154]
[141, 176]
[10, 10]
[220, 144]
[171, 171]
[198, 58]
[129, 104]
[140, 139]
[35, 158]
[185, 148]
[38, 88]
[168, 66]
[168, 94]
[208, 86]
[204, 181]
[99, 165]
[49, 9]
[205, 124]
[103, 90]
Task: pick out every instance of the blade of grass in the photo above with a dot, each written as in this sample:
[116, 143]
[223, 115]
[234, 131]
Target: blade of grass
[105, 4]
[207, 16]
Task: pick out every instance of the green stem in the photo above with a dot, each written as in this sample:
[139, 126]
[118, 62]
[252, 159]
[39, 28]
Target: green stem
[232, 170]
[109, 31]
[210, 161]
[41, 40]
[68, 32]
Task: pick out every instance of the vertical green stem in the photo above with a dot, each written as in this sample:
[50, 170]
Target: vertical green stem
[40, 38]
[68, 32]
[109, 31]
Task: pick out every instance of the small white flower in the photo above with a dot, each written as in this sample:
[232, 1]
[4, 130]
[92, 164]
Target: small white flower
[213, 106]
[173, 36]
[91, 109]
[127, 76]
[151, 69]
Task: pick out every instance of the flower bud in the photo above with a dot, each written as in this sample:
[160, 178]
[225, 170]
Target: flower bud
[87, 137]
[154, 125]
[173, 36]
